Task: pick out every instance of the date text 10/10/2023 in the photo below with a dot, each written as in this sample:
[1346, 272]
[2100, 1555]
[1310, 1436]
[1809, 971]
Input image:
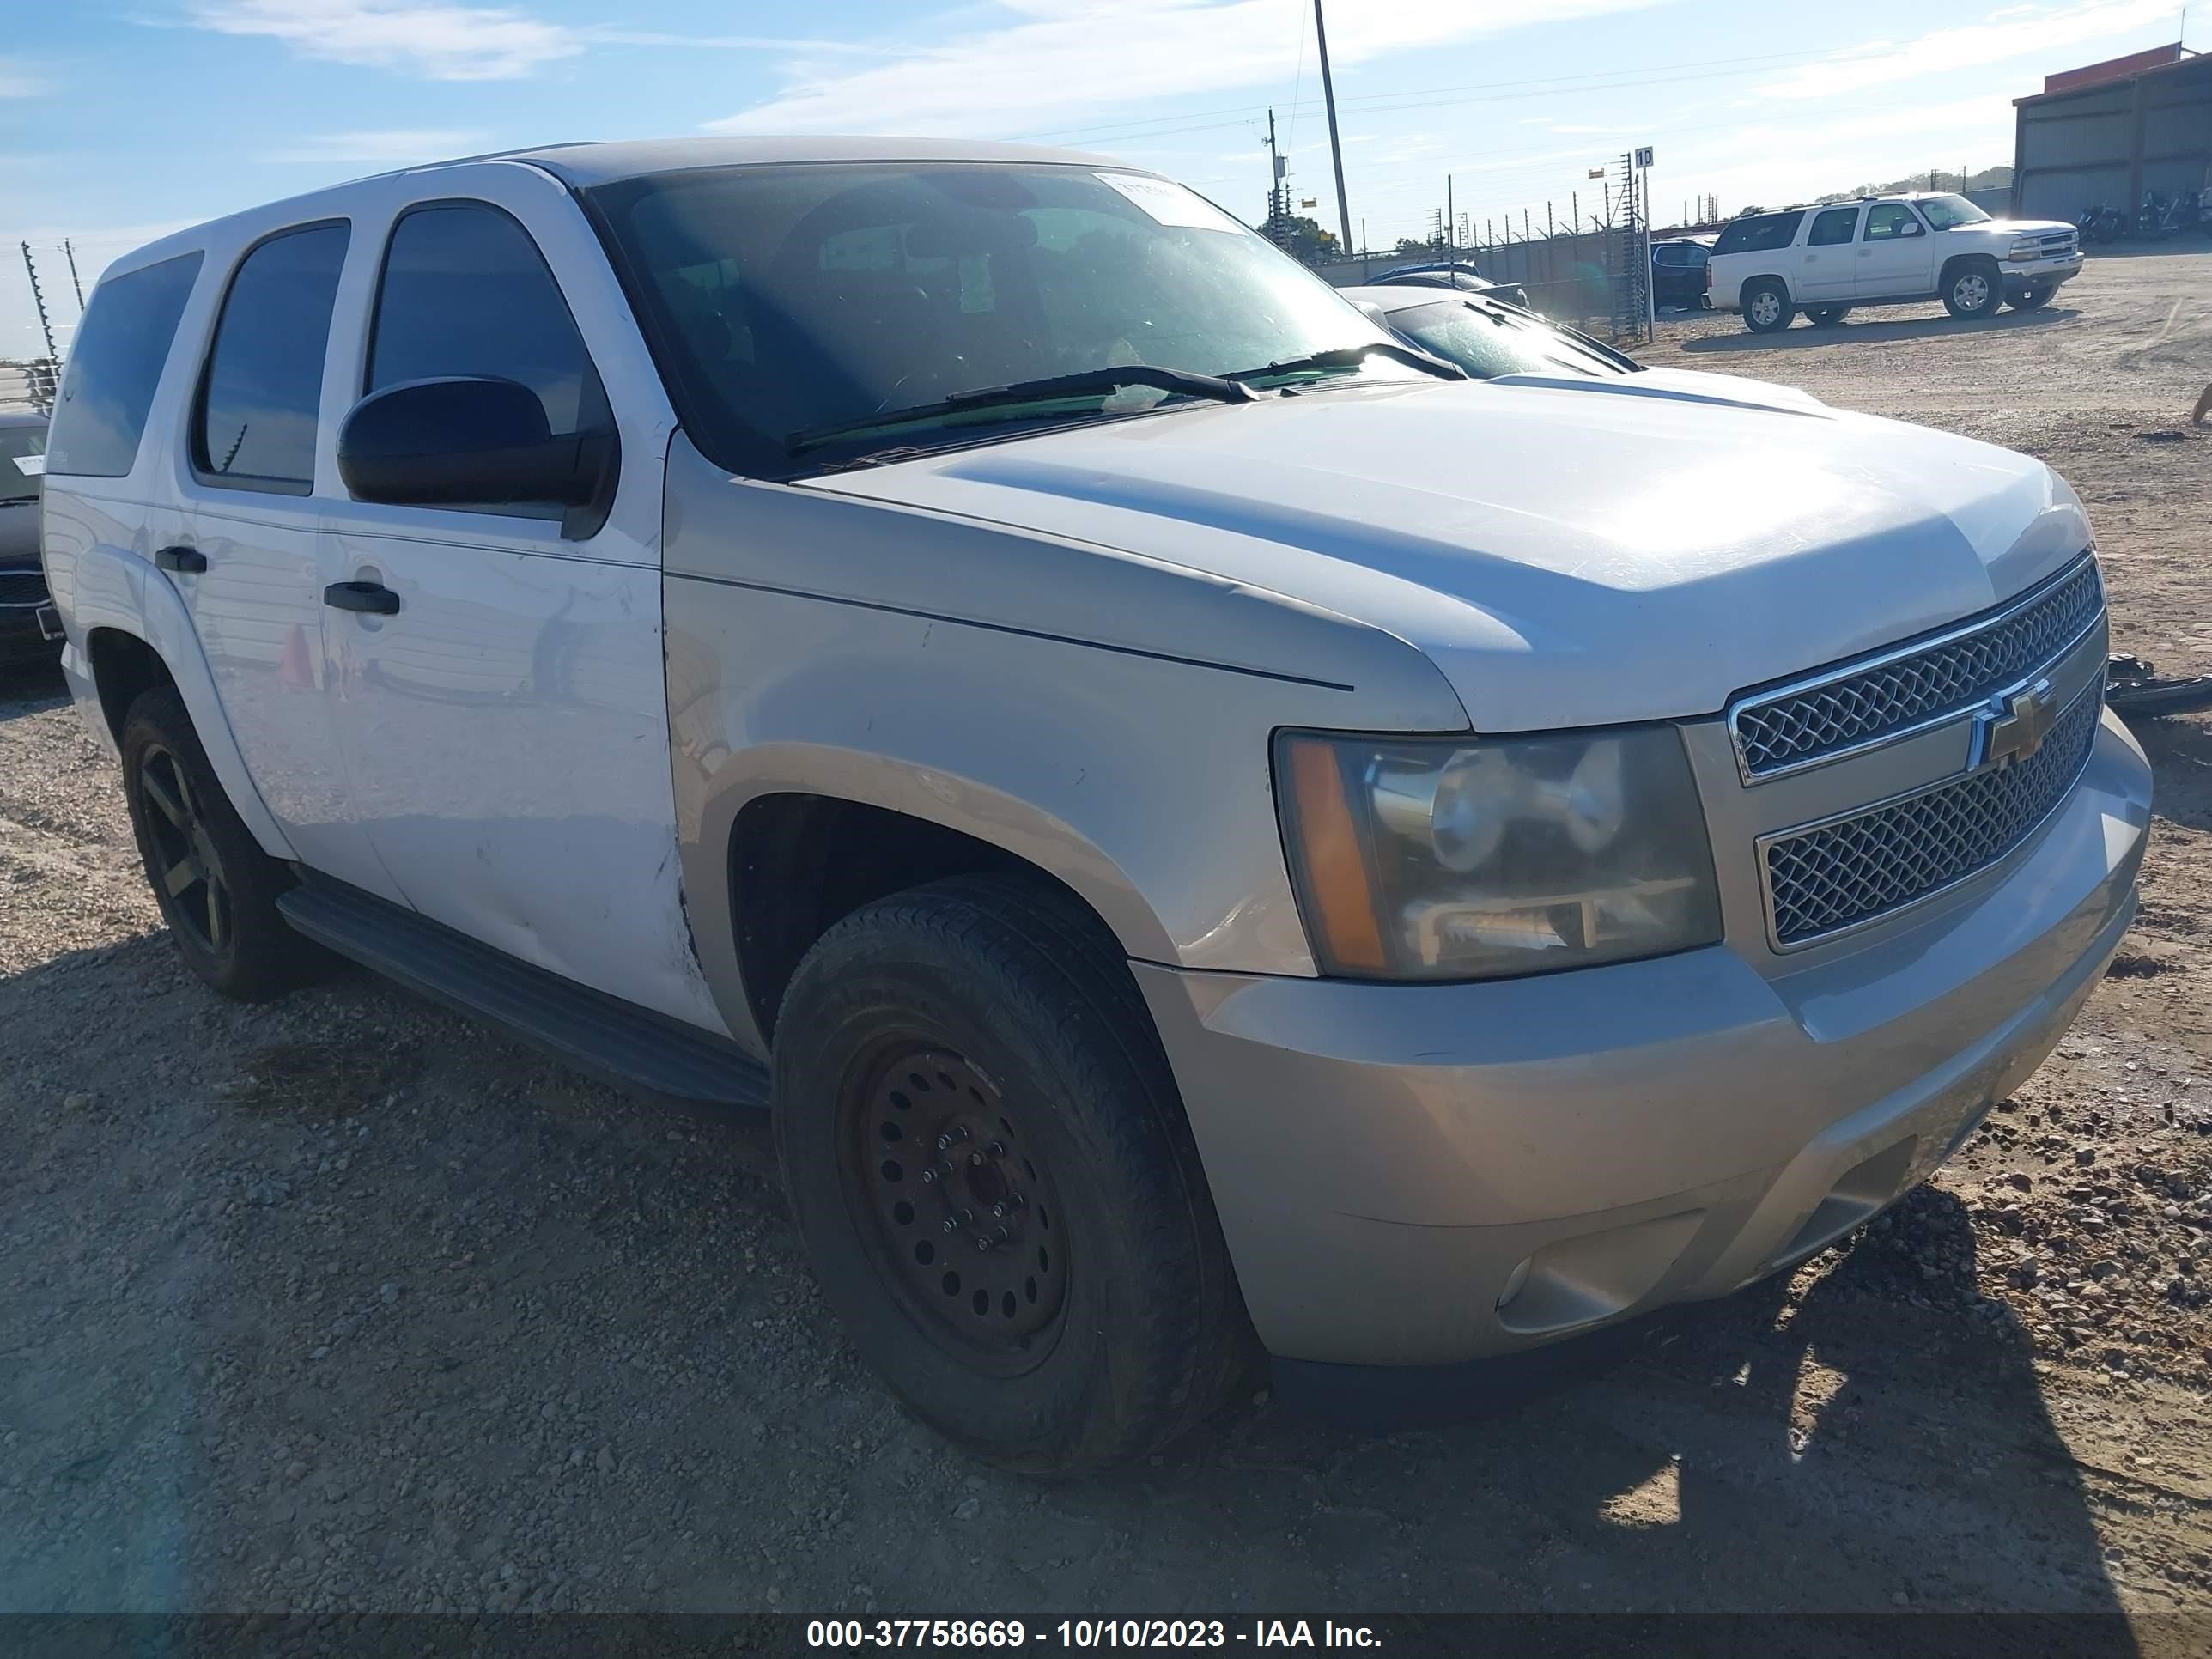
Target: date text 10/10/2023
[1085, 1633]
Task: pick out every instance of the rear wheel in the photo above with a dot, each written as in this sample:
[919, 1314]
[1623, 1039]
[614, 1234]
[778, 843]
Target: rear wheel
[1973, 288]
[1828, 316]
[989, 1165]
[1766, 306]
[2033, 299]
[216, 888]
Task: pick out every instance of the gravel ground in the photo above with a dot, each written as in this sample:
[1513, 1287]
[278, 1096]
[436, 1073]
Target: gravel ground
[344, 1304]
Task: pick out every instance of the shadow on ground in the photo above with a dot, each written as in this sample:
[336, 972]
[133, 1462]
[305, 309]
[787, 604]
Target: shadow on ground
[1804, 336]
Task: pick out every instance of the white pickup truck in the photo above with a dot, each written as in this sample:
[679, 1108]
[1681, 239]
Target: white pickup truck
[1211, 831]
[1891, 250]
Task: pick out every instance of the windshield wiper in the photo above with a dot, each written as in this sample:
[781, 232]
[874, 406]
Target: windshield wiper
[1089, 382]
[1352, 357]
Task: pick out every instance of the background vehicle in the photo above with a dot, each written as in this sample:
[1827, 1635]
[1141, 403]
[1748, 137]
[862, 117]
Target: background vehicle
[30, 630]
[1891, 251]
[1461, 275]
[1678, 272]
[1106, 1046]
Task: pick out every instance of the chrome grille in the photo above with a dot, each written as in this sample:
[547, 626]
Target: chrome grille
[1839, 874]
[22, 588]
[1858, 706]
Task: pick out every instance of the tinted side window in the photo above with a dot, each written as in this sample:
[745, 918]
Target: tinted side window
[113, 367]
[466, 292]
[256, 426]
[1890, 219]
[1833, 227]
[1760, 234]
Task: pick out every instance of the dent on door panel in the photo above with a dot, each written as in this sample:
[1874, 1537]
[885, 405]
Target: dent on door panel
[506, 735]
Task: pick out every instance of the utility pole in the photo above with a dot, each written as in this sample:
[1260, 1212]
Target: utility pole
[1328, 98]
[1451, 221]
[38, 298]
[1274, 180]
[74, 282]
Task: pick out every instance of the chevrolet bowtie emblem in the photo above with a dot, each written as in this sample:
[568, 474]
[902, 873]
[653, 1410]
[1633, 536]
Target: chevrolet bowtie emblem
[2014, 725]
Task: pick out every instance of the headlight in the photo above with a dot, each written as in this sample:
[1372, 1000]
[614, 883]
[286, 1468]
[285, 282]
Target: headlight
[1421, 858]
[2024, 251]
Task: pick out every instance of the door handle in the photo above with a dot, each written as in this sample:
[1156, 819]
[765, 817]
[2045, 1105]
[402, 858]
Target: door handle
[372, 599]
[186, 560]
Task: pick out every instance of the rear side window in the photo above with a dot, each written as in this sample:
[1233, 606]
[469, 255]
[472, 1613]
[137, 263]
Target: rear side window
[1761, 234]
[114, 365]
[263, 390]
[466, 292]
[1833, 227]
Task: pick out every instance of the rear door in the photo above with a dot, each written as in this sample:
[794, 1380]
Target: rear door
[1896, 254]
[505, 728]
[252, 484]
[1827, 263]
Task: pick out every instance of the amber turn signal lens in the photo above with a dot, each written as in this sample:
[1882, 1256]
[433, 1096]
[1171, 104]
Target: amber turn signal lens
[1337, 881]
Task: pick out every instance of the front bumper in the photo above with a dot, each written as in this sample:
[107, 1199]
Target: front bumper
[1390, 1161]
[2040, 273]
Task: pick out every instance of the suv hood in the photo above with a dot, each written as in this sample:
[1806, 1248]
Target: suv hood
[1568, 552]
[2018, 227]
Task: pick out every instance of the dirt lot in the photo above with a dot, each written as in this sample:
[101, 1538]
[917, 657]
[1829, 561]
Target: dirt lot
[345, 1303]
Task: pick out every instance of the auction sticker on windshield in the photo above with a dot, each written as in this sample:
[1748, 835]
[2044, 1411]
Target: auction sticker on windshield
[1170, 205]
[30, 467]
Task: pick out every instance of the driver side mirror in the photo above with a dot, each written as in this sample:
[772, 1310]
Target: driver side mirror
[464, 440]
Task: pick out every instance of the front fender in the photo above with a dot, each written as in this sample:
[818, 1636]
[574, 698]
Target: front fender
[98, 584]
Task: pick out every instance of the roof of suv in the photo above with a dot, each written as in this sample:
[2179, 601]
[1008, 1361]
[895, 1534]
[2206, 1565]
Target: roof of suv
[582, 166]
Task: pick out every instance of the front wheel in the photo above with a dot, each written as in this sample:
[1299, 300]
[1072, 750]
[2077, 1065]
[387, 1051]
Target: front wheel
[2033, 299]
[1767, 308]
[1828, 316]
[989, 1165]
[1973, 288]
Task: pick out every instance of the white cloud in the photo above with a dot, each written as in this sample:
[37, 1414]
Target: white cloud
[389, 146]
[2016, 31]
[444, 42]
[16, 79]
[1054, 59]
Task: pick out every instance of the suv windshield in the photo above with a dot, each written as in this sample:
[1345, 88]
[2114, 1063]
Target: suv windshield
[23, 462]
[1946, 212]
[788, 304]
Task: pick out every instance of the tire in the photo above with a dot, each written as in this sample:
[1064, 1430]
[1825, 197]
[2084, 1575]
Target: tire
[2031, 299]
[1828, 316]
[216, 888]
[1766, 306]
[1097, 1317]
[1974, 289]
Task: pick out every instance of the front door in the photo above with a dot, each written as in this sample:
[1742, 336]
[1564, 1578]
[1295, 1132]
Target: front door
[504, 719]
[1825, 273]
[246, 550]
[1895, 255]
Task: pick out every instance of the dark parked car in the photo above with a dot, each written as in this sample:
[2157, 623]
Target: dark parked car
[1678, 272]
[29, 629]
[1448, 274]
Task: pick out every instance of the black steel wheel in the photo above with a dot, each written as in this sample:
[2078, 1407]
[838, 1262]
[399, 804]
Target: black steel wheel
[216, 888]
[965, 1212]
[989, 1165]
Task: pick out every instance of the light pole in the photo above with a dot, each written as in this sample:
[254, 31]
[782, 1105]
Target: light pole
[1335, 151]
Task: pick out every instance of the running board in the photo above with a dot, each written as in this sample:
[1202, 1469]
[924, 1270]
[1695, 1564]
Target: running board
[616, 1042]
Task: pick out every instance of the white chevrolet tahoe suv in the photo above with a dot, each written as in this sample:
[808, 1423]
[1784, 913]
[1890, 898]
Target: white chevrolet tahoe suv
[1211, 832]
[1891, 251]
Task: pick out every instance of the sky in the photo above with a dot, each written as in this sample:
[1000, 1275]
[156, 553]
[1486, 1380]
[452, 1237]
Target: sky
[121, 120]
